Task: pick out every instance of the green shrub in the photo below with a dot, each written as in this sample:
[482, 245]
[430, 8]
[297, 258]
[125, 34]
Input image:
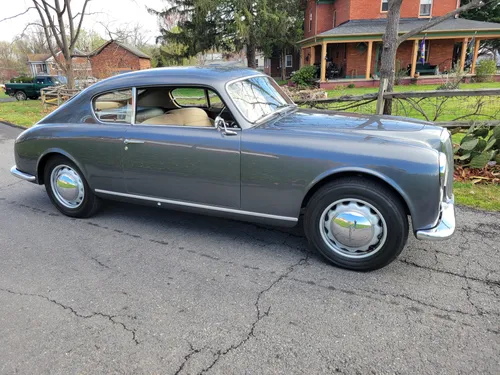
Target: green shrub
[351, 86]
[22, 79]
[485, 70]
[305, 76]
[478, 147]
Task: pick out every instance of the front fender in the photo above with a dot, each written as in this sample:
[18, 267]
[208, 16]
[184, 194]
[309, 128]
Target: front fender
[360, 170]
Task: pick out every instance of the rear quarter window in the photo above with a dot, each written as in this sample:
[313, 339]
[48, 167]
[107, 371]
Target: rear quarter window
[114, 107]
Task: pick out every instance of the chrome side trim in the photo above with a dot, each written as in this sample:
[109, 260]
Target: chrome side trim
[134, 105]
[445, 227]
[197, 205]
[23, 176]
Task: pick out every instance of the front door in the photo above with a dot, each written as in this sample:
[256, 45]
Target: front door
[186, 163]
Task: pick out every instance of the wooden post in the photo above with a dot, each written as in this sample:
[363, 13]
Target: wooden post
[414, 58]
[369, 59]
[312, 58]
[323, 62]
[474, 58]
[302, 57]
[463, 54]
[380, 99]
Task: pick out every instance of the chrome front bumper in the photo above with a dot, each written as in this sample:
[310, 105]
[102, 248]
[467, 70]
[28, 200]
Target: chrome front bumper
[445, 227]
[23, 176]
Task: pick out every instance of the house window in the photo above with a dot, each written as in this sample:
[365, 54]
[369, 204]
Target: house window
[335, 18]
[385, 6]
[310, 20]
[288, 61]
[425, 8]
[256, 63]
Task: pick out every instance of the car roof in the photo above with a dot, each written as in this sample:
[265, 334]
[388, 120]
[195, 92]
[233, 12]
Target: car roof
[197, 75]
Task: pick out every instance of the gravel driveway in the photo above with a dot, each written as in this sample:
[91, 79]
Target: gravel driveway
[140, 290]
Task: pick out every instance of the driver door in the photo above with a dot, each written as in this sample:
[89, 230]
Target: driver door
[197, 164]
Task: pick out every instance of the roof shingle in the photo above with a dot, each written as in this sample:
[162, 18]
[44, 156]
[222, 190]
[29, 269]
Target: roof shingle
[363, 27]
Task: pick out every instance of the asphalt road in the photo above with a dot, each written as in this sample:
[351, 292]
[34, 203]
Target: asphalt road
[141, 290]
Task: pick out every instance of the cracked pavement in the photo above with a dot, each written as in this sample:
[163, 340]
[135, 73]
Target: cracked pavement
[144, 290]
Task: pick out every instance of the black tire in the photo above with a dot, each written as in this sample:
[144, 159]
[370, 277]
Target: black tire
[90, 203]
[20, 95]
[386, 202]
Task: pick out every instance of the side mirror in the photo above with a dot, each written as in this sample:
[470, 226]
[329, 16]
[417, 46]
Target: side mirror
[221, 125]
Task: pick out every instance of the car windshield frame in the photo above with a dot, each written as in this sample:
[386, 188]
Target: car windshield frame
[286, 103]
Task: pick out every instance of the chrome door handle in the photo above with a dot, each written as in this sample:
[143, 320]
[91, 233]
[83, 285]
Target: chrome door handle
[133, 141]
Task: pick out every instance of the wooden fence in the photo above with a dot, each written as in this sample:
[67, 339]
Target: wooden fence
[56, 95]
[447, 107]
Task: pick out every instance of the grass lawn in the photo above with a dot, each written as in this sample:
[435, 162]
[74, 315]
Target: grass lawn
[486, 197]
[406, 88]
[3, 94]
[24, 113]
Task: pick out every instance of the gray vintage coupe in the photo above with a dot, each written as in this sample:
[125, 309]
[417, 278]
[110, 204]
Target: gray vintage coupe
[230, 142]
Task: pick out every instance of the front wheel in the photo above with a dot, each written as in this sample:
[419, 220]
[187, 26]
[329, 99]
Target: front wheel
[356, 223]
[68, 190]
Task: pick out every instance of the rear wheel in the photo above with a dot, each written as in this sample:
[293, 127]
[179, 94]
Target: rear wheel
[20, 95]
[68, 190]
[356, 223]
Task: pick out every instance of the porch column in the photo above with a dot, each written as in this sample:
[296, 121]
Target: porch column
[323, 62]
[414, 56]
[474, 58]
[302, 57]
[464, 54]
[312, 58]
[369, 59]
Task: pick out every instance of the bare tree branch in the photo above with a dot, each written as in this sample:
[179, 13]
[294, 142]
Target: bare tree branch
[17, 15]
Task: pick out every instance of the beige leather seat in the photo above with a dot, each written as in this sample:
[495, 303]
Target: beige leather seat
[182, 117]
[101, 106]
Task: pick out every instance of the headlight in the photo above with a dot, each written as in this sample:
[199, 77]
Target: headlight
[443, 168]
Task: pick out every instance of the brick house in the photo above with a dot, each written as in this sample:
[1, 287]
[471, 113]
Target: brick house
[114, 57]
[39, 64]
[291, 59]
[347, 34]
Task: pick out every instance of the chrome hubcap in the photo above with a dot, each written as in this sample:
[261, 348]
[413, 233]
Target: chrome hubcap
[67, 186]
[353, 228]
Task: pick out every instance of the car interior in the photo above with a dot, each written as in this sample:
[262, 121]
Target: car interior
[177, 106]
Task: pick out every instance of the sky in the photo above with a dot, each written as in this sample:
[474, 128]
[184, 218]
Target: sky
[113, 12]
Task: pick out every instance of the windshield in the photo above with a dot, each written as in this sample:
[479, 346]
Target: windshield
[258, 97]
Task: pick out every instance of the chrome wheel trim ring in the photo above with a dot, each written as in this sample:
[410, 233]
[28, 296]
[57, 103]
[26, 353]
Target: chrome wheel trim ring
[353, 228]
[67, 186]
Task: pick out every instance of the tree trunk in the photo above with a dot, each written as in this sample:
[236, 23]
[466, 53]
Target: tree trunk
[70, 74]
[251, 55]
[389, 49]
[283, 64]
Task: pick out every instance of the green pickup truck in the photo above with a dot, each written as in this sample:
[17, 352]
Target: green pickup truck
[23, 91]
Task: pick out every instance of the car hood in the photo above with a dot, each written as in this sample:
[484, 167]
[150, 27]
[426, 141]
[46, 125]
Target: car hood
[324, 123]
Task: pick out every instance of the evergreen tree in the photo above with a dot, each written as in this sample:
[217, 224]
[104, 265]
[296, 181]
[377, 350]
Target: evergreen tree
[230, 25]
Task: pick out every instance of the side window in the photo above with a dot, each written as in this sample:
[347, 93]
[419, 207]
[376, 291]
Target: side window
[40, 80]
[190, 97]
[196, 97]
[114, 106]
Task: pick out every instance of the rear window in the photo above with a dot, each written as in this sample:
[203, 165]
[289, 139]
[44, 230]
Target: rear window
[114, 107]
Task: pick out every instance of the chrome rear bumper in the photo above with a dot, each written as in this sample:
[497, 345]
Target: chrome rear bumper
[445, 227]
[23, 176]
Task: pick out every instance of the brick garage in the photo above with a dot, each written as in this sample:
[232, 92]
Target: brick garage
[114, 58]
